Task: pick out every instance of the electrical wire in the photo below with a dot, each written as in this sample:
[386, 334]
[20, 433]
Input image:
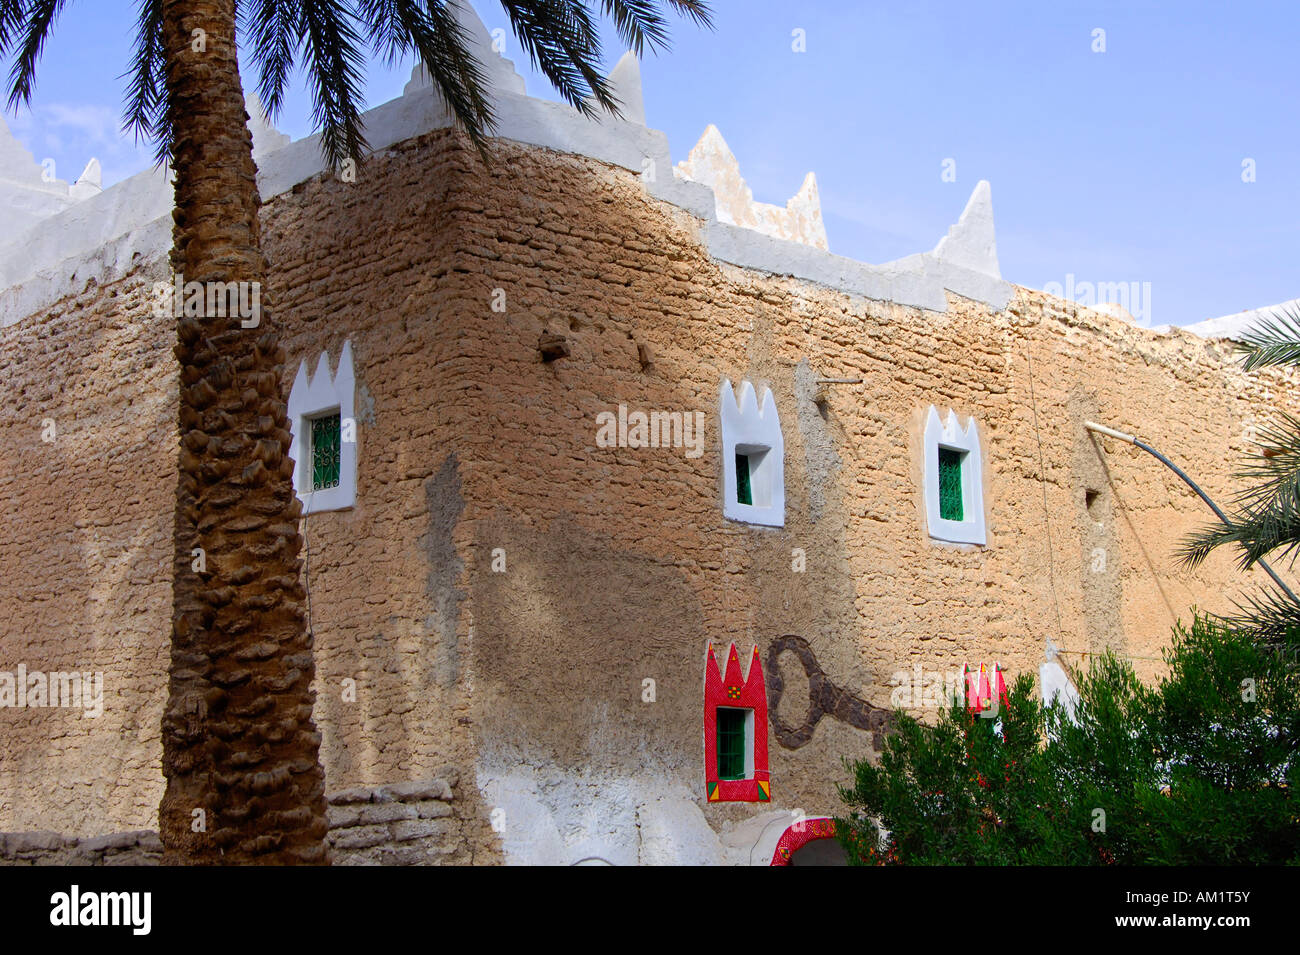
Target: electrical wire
[1042, 480]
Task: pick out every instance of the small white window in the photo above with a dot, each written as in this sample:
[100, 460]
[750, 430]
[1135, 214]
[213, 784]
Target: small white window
[954, 480]
[753, 457]
[324, 449]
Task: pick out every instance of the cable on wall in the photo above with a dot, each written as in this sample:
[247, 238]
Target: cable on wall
[1042, 480]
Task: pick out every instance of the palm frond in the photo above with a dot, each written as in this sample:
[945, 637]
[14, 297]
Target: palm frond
[561, 39]
[13, 14]
[432, 31]
[1195, 548]
[1274, 341]
[274, 44]
[639, 23]
[36, 24]
[390, 23]
[1271, 616]
[332, 53]
[1274, 470]
[146, 105]
[1258, 532]
[696, 10]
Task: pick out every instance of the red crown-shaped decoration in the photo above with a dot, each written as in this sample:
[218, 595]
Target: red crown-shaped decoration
[981, 690]
[733, 691]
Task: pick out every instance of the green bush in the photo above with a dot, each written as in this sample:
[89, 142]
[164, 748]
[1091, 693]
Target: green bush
[1199, 769]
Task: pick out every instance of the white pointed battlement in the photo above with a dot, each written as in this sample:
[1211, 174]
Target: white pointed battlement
[712, 163]
[266, 138]
[624, 83]
[89, 183]
[500, 72]
[30, 191]
[972, 242]
[753, 456]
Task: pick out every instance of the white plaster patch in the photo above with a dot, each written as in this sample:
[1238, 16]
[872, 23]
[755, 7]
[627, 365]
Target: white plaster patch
[1056, 687]
[555, 816]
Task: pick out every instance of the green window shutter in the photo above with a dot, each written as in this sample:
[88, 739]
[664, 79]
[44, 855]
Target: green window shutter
[731, 743]
[743, 493]
[950, 495]
[325, 452]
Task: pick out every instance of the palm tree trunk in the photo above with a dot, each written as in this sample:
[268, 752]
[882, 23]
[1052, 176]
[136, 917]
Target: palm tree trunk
[240, 749]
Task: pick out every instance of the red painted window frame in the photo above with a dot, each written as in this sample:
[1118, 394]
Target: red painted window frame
[730, 691]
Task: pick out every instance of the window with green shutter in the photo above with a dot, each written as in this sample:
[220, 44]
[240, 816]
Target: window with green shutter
[744, 493]
[731, 743]
[325, 452]
[950, 490]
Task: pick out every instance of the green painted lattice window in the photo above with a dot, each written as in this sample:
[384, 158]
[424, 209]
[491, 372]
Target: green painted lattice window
[325, 452]
[731, 743]
[744, 493]
[950, 495]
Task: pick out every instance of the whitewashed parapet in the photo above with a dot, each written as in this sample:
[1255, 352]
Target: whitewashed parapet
[104, 235]
[1239, 323]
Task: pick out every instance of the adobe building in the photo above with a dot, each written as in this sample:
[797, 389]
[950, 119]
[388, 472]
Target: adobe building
[569, 427]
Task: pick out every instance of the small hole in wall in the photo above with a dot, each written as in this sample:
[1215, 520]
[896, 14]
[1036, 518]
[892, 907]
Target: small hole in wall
[573, 325]
[1092, 500]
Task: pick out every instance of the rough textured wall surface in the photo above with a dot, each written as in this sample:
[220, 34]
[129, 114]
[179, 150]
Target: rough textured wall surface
[620, 566]
[376, 262]
[408, 823]
[87, 468]
[614, 565]
[50, 848]
[83, 559]
[411, 823]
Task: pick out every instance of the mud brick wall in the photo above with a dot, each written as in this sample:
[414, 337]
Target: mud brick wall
[50, 848]
[411, 823]
[85, 550]
[87, 468]
[619, 565]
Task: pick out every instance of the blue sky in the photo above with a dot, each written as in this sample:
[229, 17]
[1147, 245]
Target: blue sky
[1117, 166]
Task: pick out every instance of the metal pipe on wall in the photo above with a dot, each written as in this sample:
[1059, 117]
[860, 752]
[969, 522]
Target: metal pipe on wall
[1121, 436]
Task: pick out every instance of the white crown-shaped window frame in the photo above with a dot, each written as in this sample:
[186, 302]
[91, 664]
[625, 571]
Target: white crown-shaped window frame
[941, 434]
[754, 432]
[312, 397]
